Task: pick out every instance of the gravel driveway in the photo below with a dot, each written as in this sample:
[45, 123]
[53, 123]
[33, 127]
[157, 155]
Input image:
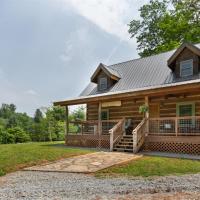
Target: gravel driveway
[50, 185]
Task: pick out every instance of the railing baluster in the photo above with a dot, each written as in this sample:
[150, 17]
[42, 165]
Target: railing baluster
[176, 126]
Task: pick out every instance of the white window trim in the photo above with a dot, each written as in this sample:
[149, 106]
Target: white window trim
[104, 78]
[182, 62]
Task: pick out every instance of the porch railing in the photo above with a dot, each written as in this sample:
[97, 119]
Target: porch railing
[83, 127]
[116, 133]
[91, 127]
[106, 125]
[175, 126]
[139, 135]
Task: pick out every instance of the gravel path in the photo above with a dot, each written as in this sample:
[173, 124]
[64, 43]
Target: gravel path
[49, 185]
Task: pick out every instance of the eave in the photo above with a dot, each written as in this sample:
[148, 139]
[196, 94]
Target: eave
[146, 91]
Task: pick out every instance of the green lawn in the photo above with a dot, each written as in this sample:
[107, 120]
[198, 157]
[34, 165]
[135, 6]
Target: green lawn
[153, 166]
[17, 156]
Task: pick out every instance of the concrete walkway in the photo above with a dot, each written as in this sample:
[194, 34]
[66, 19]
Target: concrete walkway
[172, 155]
[86, 163]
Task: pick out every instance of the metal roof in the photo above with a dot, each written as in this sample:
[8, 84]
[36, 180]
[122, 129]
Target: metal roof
[141, 73]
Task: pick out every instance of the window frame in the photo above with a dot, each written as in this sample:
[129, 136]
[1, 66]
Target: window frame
[181, 67]
[193, 111]
[107, 113]
[106, 83]
[182, 104]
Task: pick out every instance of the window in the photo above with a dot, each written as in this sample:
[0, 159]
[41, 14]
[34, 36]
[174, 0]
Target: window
[186, 68]
[186, 110]
[104, 115]
[103, 83]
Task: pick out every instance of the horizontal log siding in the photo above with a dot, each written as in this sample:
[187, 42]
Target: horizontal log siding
[128, 109]
[168, 106]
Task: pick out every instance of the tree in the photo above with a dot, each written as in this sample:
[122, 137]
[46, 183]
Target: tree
[78, 114]
[38, 116]
[7, 110]
[19, 135]
[55, 117]
[164, 25]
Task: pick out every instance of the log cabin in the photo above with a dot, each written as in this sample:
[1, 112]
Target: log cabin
[166, 84]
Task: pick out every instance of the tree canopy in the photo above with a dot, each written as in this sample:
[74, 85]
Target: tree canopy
[18, 127]
[165, 24]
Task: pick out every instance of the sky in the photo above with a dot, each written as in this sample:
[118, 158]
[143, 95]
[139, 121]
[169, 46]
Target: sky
[50, 48]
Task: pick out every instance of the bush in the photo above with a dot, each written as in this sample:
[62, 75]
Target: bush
[6, 137]
[19, 135]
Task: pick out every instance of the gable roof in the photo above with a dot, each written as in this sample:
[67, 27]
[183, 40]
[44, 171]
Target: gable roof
[191, 47]
[108, 71]
[140, 73]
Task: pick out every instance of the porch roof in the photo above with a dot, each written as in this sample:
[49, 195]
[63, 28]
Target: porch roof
[145, 91]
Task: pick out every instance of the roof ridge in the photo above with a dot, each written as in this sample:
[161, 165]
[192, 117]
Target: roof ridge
[140, 58]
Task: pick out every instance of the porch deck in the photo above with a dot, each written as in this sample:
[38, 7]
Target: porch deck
[173, 134]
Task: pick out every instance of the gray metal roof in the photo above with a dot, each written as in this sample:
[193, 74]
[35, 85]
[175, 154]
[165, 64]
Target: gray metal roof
[140, 73]
[112, 71]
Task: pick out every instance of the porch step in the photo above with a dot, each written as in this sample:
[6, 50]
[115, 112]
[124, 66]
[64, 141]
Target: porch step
[125, 144]
[126, 140]
[122, 150]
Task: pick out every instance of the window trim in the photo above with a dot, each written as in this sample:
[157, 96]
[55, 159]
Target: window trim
[193, 111]
[106, 85]
[185, 103]
[181, 65]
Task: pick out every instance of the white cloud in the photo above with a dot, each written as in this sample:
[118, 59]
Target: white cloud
[110, 15]
[31, 92]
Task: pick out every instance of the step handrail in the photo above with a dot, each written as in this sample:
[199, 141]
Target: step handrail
[116, 133]
[139, 135]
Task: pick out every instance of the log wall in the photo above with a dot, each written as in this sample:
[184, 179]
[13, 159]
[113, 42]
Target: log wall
[129, 109]
[168, 105]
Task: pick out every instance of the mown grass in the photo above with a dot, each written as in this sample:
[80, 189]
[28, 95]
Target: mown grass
[153, 166]
[17, 156]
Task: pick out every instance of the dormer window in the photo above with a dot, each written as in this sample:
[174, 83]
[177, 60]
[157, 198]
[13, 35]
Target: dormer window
[186, 68]
[103, 83]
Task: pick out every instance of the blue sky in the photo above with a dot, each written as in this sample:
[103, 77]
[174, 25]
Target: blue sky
[50, 48]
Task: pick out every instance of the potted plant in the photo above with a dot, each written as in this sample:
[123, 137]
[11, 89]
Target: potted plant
[143, 109]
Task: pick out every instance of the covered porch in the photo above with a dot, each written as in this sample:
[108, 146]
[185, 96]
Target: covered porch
[172, 122]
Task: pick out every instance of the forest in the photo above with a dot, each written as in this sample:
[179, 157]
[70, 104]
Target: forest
[48, 125]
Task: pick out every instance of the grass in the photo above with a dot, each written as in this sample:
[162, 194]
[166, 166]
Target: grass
[14, 157]
[153, 166]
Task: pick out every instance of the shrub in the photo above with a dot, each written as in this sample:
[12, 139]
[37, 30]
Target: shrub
[19, 135]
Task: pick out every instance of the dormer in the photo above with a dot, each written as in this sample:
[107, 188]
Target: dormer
[105, 77]
[185, 62]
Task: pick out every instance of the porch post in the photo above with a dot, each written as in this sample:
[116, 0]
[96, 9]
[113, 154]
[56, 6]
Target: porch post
[99, 119]
[66, 120]
[147, 113]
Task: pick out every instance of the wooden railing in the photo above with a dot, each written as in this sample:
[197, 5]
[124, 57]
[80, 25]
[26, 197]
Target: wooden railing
[175, 126]
[139, 135]
[83, 127]
[91, 127]
[116, 133]
[106, 125]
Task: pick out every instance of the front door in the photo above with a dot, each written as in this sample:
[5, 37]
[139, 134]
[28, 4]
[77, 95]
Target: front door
[154, 111]
[105, 125]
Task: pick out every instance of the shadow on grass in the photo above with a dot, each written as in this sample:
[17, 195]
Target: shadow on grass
[62, 145]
